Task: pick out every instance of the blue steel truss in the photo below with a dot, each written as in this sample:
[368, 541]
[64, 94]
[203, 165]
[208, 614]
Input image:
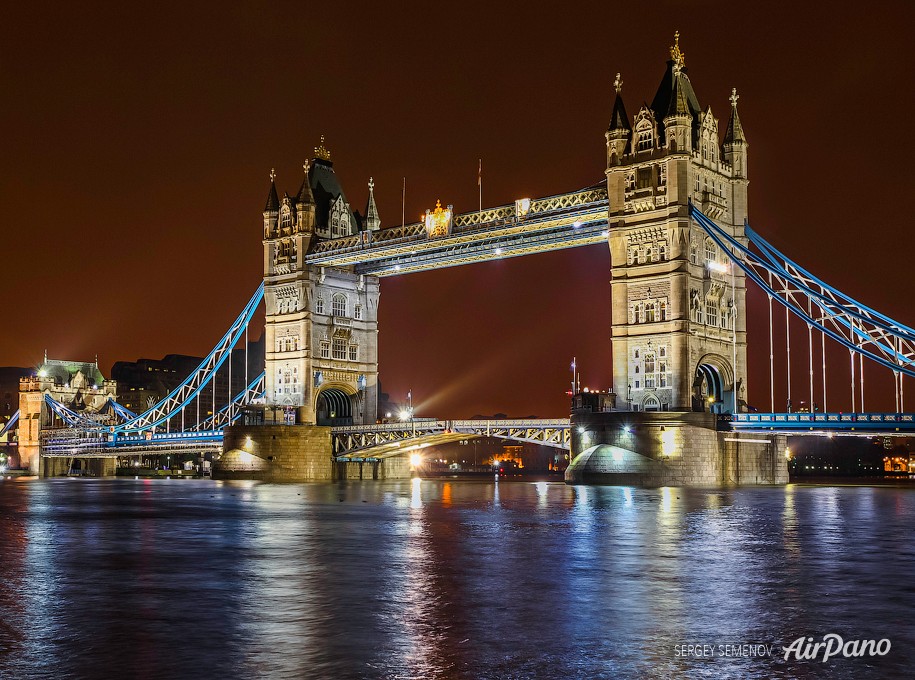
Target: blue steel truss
[232, 411]
[7, 426]
[852, 324]
[182, 395]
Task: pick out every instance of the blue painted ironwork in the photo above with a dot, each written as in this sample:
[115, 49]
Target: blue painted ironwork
[852, 324]
[821, 422]
[8, 425]
[188, 390]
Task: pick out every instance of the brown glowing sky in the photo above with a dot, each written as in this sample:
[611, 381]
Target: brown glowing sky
[137, 141]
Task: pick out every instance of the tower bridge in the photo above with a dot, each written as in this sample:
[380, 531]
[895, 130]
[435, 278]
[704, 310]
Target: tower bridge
[673, 213]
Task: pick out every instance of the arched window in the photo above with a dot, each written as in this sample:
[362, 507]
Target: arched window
[637, 354]
[319, 305]
[353, 352]
[651, 402]
[357, 312]
[662, 250]
[649, 370]
[286, 219]
[338, 305]
[325, 349]
[663, 311]
[711, 252]
[649, 312]
[694, 254]
[645, 138]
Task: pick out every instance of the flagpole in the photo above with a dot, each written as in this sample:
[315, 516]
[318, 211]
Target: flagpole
[403, 204]
[480, 185]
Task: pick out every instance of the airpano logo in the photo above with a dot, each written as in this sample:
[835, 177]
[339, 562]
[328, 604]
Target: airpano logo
[805, 649]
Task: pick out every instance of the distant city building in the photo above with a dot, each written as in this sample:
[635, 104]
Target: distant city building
[78, 385]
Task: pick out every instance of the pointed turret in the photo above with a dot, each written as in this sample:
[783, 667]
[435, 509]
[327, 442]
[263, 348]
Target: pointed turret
[272, 207]
[305, 204]
[735, 144]
[372, 219]
[675, 98]
[273, 201]
[619, 134]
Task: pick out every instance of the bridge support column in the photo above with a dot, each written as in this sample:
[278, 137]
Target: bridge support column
[276, 453]
[670, 449]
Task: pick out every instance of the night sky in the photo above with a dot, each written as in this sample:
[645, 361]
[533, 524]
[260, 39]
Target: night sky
[137, 142]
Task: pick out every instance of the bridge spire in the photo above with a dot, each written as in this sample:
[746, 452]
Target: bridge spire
[372, 218]
[735, 143]
[619, 133]
[273, 201]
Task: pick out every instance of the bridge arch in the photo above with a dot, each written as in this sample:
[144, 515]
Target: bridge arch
[335, 405]
[713, 384]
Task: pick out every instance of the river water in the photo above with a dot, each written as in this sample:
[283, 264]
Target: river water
[448, 579]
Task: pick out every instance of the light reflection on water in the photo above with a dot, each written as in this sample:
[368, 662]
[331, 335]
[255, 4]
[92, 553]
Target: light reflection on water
[444, 579]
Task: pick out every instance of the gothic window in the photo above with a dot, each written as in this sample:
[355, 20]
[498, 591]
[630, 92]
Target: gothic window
[353, 352]
[286, 220]
[711, 313]
[645, 139]
[693, 253]
[295, 343]
[325, 349]
[649, 370]
[662, 313]
[655, 252]
[649, 312]
[339, 305]
[630, 181]
[711, 252]
[319, 305]
[339, 348]
[639, 313]
[662, 250]
[357, 312]
[637, 354]
[651, 403]
[644, 178]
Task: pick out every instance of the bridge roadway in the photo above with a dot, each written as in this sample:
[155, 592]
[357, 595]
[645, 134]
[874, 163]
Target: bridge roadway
[390, 439]
[578, 218]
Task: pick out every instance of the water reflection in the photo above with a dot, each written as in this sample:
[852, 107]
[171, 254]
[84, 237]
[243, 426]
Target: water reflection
[428, 579]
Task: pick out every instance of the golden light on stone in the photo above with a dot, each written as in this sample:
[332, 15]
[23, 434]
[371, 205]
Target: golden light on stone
[438, 221]
[522, 207]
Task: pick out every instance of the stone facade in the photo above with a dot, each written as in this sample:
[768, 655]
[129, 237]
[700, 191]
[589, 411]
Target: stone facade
[276, 453]
[671, 449]
[322, 323]
[676, 301]
[295, 453]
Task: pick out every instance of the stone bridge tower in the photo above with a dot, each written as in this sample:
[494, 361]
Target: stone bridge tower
[678, 316]
[322, 322]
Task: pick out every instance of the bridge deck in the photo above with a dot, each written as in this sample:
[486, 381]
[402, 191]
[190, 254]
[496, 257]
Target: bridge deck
[569, 220]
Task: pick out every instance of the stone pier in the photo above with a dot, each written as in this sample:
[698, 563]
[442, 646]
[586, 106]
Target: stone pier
[671, 449]
[295, 453]
[87, 467]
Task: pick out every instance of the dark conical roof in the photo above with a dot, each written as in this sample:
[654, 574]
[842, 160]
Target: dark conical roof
[273, 201]
[305, 194]
[735, 129]
[674, 92]
[618, 119]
